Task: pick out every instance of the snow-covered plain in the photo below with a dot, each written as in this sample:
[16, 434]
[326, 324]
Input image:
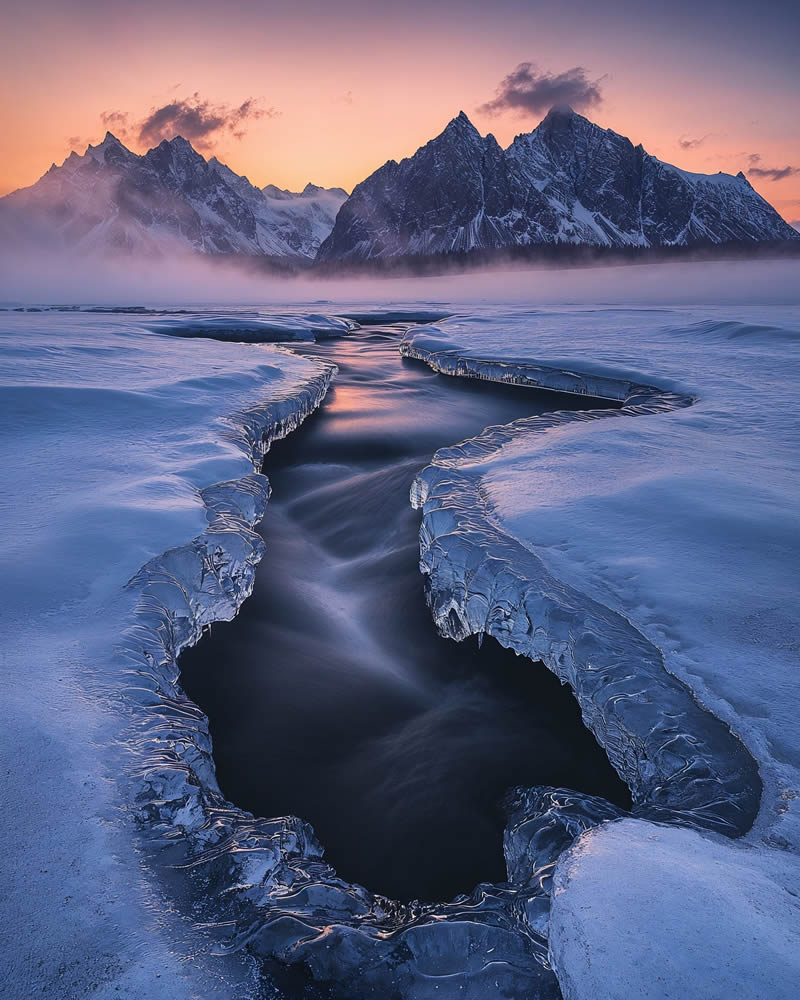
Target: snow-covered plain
[129, 497]
[109, 432]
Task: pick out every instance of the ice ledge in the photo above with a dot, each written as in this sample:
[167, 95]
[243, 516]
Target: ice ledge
[265, 879]
[681, 763]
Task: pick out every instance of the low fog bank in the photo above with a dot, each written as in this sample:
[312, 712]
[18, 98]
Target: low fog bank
[39, 279]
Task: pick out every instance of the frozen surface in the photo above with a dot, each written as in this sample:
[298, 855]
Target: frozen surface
[669, 524]
[602, 544]
[713, 921]
[256, 327]
[132, 458]
[108, 432]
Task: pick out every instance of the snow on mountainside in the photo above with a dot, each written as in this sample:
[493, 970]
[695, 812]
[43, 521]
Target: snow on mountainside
[170, 199]
[567, 181]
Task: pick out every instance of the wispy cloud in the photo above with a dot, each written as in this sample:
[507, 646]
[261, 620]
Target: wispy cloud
[685, 142]
[529, 90]
[117, 122]
[200, 121]
[769, 173]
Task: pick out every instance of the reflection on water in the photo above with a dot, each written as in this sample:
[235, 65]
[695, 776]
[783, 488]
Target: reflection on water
[332, 697]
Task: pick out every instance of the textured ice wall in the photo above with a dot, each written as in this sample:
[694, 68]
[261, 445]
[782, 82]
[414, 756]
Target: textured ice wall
[679, 761]
[266, 877]
[254, 328]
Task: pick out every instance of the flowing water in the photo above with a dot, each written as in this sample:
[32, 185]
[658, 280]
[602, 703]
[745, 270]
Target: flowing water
[331, 697]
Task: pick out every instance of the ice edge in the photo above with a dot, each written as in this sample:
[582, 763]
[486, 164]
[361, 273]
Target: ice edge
[263, 881]
[681, 763]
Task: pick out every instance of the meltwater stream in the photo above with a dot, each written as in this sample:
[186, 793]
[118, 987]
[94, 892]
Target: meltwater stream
[331, 697]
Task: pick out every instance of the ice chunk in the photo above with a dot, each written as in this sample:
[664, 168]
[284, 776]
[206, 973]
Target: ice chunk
[647, 910]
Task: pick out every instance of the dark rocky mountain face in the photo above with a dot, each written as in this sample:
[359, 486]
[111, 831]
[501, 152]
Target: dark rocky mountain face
[443, 198]
[433, 202]
[568, 181]
[169, 200]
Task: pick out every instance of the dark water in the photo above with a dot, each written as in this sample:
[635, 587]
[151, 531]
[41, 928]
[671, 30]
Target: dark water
[331, 696]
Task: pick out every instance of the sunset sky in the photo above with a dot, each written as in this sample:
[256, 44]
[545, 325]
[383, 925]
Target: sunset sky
[287, 92]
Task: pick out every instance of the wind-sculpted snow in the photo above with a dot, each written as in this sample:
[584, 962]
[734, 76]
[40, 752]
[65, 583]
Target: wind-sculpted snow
[674, 914]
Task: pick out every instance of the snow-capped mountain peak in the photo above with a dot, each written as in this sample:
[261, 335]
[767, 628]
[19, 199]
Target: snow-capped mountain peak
[109, 142]
[169, 199]
[567, 181]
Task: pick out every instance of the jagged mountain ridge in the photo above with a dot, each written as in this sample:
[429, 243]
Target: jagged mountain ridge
[170, 199]
[567, 181]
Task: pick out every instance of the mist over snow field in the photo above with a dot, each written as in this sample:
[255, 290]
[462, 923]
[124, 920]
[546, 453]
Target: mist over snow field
[646, 553]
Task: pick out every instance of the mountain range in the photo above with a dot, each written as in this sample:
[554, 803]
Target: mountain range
[568, 182]
[169, 200]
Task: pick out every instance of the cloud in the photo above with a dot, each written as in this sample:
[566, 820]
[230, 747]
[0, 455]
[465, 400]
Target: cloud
[686, 143]
[527, 90]
[769, 173]
[116, 122]
[200, 121]
[773, 173]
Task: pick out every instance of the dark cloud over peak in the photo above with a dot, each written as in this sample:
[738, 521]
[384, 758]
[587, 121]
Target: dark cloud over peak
[685, 142]
[769, 173]
[528, 90]
[116, 122]
[200, 121]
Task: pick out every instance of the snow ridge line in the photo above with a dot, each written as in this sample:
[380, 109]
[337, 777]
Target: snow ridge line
[682, 764]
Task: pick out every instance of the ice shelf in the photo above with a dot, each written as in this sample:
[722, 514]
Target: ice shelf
[648, 564]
